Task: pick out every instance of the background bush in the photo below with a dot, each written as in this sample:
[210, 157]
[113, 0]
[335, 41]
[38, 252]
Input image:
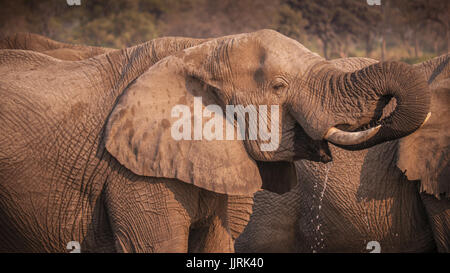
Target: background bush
[398, 29]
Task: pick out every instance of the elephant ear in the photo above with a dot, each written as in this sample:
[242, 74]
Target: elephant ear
[144, 128]
[424, 155]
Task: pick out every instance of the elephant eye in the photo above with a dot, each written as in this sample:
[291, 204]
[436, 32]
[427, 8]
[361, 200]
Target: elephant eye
[279, 84]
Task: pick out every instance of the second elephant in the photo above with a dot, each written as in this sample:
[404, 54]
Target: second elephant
[396, 193]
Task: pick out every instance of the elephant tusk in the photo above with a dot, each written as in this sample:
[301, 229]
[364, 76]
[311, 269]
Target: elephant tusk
[426, 119]
[337, 136]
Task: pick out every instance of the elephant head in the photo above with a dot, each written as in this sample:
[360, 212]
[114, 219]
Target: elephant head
[316, 102]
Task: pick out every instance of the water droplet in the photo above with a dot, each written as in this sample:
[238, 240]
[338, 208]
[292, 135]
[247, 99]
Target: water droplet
[322, 193]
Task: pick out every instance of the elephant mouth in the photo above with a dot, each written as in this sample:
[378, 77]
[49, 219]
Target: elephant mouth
[342, 135]
[307, 148]
[348, 136]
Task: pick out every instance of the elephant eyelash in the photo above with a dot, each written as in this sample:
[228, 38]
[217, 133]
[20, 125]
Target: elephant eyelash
[279, 84]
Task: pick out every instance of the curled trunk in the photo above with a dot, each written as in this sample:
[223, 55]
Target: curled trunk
[354, 102]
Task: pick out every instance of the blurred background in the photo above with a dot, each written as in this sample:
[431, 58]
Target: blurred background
[407, 30]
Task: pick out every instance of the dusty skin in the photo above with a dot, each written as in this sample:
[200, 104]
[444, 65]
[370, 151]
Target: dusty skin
[85, 154]
[44, 45]
[396, 193]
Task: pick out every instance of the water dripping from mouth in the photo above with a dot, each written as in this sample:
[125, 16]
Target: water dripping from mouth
[318, 239]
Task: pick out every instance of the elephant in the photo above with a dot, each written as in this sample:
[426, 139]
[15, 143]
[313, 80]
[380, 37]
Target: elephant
[393, 196]
[88, 152]
[47, 46]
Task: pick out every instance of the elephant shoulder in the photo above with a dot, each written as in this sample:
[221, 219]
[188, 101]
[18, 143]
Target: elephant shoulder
[47, 46]
[21, 60]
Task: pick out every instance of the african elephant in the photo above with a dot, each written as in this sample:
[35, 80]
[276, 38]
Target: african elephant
[47, 46]
[396, 193]
[88, 154]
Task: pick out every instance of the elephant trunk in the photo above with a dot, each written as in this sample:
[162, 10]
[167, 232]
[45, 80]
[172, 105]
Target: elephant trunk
[353, 103]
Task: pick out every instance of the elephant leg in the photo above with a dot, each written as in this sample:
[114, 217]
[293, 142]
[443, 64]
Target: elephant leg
[439, 217]
[211, 233]
[212, 237]
[272, 227]
[148, 215]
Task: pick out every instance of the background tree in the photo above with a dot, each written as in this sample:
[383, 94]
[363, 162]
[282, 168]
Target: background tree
[398, 29]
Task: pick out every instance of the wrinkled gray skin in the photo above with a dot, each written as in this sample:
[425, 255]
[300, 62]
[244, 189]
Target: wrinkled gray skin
[44, 45]
[396, 193]
[86, 153]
